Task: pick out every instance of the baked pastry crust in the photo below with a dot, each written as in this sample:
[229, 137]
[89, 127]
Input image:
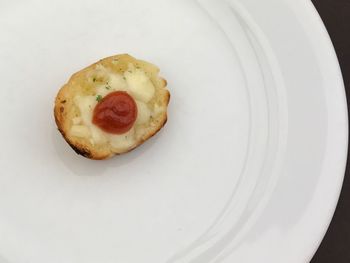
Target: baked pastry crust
[85, 83]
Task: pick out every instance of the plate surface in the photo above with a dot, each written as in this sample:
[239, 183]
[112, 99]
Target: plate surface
[248, 168]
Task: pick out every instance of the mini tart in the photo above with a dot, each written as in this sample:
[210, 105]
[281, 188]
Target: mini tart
[76, 100]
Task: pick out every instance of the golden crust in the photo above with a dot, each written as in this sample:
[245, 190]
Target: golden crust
[65, 110]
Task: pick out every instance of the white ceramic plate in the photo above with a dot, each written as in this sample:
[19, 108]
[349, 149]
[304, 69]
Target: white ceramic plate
[248, 168]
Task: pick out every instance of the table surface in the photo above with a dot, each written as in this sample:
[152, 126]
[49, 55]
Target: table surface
[335, 248]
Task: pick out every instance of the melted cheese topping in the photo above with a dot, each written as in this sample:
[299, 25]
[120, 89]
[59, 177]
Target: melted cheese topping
[137, 84]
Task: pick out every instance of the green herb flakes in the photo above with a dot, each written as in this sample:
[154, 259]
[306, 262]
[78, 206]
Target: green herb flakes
[98, 98]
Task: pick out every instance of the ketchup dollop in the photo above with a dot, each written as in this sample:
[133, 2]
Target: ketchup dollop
[116, 113]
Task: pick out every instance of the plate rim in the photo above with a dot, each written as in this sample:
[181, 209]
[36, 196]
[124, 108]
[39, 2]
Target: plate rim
[325, 37]
[309, 17]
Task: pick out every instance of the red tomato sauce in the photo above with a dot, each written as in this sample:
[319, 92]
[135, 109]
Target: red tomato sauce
[116, 113]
